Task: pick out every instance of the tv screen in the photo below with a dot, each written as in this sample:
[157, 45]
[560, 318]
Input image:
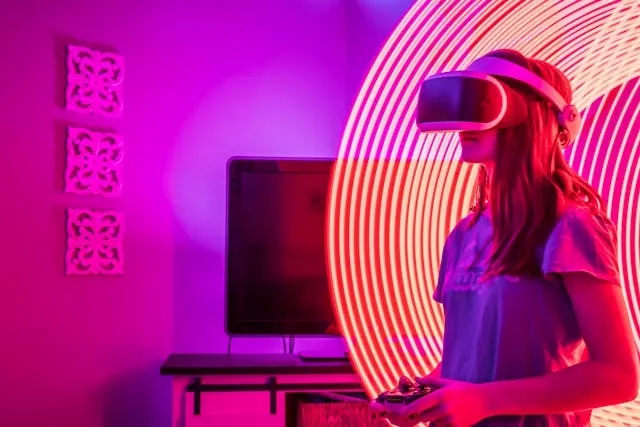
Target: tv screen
[277, 279]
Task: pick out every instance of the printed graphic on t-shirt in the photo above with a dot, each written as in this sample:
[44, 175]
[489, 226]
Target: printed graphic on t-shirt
[468, 266]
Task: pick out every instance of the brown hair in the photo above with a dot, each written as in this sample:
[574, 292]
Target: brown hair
[532, 182]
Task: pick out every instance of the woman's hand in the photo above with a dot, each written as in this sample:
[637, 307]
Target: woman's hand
[379, 411]
[454, 404]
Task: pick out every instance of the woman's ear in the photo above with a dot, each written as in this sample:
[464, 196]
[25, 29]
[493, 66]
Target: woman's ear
[563, 138]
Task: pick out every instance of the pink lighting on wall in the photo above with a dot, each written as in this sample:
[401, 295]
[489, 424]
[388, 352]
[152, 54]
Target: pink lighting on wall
[94, 81]
[388, 219]
[94, 242]
[93, 162]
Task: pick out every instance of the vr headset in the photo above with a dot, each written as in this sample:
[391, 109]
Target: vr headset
[475, 100]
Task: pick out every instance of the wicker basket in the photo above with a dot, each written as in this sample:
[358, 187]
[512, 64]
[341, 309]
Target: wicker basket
[338, 414]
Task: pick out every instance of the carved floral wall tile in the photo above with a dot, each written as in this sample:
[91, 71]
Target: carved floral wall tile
[93, 162]
[94, 242]
[94, 81]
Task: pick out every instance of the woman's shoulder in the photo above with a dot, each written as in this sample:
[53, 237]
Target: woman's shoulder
[463, 226]
[583, 239]
[581, 216]
[584, 226]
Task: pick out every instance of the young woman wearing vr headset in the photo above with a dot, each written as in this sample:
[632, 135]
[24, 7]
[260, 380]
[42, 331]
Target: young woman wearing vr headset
[536, 327]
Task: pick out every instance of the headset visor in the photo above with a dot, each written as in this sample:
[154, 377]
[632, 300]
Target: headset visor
[467, 100]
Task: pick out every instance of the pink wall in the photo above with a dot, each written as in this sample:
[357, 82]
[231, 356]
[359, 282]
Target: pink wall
[202, 83]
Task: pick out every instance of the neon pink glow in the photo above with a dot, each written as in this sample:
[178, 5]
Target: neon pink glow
[388, 219]
[93, 162]
[94, 242]
[94, 81]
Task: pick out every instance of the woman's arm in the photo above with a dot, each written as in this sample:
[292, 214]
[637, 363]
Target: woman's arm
[609, 377]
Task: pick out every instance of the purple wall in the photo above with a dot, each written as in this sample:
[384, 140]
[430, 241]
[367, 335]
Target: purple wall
[202, 83]
[370, 23]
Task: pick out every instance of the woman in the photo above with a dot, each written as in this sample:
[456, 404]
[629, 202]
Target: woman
[536, 328]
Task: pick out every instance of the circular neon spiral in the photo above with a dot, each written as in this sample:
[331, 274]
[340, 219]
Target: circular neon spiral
[396, 193]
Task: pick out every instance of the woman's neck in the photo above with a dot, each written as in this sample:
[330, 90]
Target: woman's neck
[488, 168]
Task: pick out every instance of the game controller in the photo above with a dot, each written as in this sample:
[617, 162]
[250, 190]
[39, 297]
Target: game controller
[406, 392]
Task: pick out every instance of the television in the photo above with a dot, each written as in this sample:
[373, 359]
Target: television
[276, 270]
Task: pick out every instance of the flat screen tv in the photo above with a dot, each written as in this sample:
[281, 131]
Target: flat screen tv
[276, 271]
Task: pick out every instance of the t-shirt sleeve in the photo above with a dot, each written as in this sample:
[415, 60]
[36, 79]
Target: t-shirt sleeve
[582, 242]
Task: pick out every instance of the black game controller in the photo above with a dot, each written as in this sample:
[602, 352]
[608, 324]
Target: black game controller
[406, 392]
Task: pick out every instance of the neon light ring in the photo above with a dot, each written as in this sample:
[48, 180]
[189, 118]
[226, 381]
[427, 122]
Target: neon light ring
[396, 193]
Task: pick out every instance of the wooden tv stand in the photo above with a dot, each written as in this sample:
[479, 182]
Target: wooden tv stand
[248, 389]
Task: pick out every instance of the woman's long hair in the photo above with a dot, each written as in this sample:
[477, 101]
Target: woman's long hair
[532, 182]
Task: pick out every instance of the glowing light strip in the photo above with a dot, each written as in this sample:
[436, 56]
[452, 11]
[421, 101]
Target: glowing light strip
[629, 188]
[396, 193]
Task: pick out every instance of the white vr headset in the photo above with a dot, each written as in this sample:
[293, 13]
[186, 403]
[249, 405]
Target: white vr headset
[475, 100]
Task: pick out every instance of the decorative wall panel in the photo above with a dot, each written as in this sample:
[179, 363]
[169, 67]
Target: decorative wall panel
[93, 162]
[94, 81]
[94, 242]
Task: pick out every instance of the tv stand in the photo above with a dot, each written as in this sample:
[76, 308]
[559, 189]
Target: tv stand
[259, 389]
[324, 356]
